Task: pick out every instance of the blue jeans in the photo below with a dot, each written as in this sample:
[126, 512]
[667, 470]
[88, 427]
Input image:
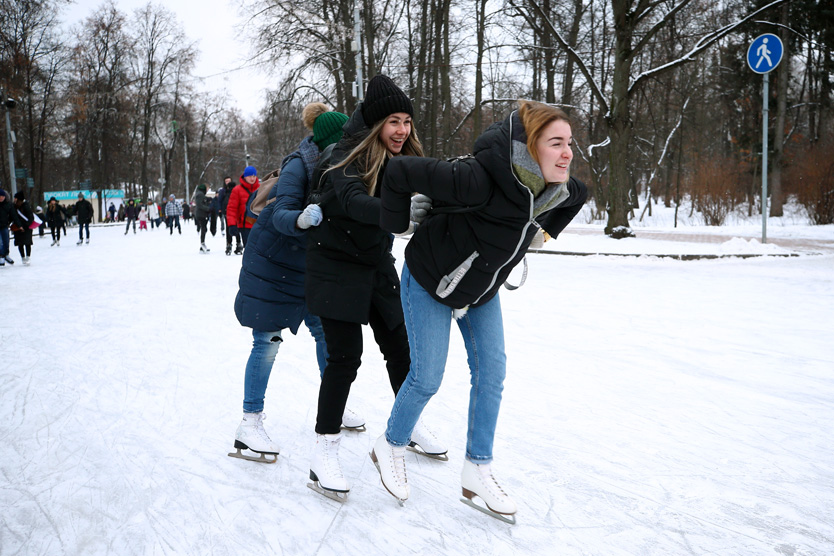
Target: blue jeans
[428, 324]
[314, 325]
[81, 228]
[259, 366]
[4, 242]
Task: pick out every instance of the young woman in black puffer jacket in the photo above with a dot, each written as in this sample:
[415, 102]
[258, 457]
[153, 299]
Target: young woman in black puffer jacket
[350, 274]
[486, 211]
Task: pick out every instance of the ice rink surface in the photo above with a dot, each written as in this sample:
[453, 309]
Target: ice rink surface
[652, 406]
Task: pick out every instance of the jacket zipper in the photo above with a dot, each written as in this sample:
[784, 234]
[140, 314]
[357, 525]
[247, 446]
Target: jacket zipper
[526, 226]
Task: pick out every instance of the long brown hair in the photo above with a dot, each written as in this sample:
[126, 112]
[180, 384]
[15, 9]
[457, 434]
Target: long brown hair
[535, 116]
[370, 154]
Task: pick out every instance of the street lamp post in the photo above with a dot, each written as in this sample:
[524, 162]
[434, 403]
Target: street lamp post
[9, 103]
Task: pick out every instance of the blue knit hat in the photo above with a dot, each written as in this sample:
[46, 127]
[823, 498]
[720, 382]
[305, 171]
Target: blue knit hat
[249, 171]
[3, 193]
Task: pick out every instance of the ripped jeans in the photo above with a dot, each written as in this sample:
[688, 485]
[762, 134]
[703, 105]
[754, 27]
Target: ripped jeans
[259, 366]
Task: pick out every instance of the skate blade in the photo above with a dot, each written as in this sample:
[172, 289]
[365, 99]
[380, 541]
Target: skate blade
[500, 517]
[418, 450]
[332, 494]
[399, 500]
[260, 459]
[360, 428]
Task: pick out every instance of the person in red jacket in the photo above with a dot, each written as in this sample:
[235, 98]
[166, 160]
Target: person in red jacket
[236, 210]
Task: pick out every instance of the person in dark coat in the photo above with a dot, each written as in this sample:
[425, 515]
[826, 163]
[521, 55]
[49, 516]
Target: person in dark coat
[223, 195]
[7, 218]
[351, 279]
[22, 227]
[84, 215]
[112, 211]
[55, 217]
[271, 295]
[131, 215]
[201, 214]
[485, 212]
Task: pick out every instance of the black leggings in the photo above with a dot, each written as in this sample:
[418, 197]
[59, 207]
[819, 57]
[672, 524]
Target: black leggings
[56, 233]
[201, 225]
[25, 250]
[344, 348]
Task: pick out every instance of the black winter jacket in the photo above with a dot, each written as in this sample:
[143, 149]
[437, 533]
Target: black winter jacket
[55, 218]
[7, 213]
[462, 258]
[84, 211]
[202, 204]
[349, 262]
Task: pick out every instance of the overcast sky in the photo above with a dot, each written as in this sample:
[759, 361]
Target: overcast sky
[220, 35]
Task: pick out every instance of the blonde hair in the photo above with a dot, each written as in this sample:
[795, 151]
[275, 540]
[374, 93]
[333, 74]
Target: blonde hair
[535, 116]
[371, 154]
[311, 112]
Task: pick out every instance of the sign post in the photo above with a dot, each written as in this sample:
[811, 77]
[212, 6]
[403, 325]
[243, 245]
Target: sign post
[763, 55]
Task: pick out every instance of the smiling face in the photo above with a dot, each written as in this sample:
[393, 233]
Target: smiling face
[395, 131]
[554, 151]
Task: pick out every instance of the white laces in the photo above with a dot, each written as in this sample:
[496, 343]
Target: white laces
[489, 480]
[397, 456]
[332, 464]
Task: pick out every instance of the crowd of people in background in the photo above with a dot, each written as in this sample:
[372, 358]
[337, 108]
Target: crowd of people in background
[209, 209]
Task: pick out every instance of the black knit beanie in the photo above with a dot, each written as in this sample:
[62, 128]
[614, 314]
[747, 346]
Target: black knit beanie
[383, 98]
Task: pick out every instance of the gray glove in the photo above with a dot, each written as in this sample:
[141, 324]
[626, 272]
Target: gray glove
[420, 206]
[311, 216]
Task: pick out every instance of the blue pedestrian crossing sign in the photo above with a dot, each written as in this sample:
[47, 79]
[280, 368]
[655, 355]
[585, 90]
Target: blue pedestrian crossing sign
[764, 53]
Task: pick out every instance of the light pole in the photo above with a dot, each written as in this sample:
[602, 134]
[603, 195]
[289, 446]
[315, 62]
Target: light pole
[10, 103]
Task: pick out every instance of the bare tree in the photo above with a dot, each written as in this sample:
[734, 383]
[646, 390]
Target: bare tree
[635, 25]
[30, 56]
[160, 44]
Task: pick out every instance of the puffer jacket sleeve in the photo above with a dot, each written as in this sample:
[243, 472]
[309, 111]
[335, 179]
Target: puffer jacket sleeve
[352, 194]
[449, 183]
[290, 198]
[555, 220]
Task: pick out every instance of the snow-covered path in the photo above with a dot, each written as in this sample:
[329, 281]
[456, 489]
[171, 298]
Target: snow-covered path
[651, 407]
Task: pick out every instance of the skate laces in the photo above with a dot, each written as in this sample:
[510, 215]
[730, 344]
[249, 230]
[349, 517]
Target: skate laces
[489, 479]
[259, 427]
[328, 461]
[426, 434]
[397, 455]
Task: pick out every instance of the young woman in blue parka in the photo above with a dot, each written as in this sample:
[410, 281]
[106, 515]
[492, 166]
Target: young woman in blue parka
[487, 210]
[271, 296]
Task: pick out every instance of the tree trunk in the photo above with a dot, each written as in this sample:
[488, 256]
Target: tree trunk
[777, 197]
[480, 22]
[370, 39]
[619, 125]
[567, 84]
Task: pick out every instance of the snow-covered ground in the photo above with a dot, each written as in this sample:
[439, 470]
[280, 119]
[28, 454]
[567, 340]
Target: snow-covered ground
[652, 406]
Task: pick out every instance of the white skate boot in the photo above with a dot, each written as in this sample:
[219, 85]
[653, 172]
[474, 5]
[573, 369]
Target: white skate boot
[390, 462]
[326, 471]
[204, 249]
[477, 480]
[352, 421]
[425, 443]
[251, 436]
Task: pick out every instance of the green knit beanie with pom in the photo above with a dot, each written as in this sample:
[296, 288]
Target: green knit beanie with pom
[327, 128]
